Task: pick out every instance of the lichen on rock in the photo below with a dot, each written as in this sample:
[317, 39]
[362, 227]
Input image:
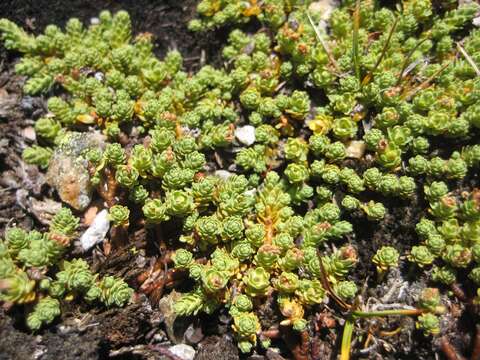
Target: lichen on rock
[68, 169]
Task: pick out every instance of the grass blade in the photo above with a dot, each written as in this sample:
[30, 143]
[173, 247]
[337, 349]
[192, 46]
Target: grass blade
[355, 51]
[323, 43]
[368, 77]
[405, 63]
[468, 58]
[346, 340]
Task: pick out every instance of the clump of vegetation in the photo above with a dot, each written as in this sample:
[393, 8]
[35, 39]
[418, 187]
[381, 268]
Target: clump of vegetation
[398, 83]
[34, 273]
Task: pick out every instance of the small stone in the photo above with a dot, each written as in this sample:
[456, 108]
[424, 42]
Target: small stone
[99, 76]
[324, 8]
[157, 338]
[249, 48]
[245, 134]
[8, 103]
[29, 133]
[4, 145]
[27, 104]
[250, 192]
[355, 149]
[165, 305]
[183, 351]
[141, 261]
[32, 179]
[223, 174]
[68, 168]
[39, 352]
[9, 179]
[21, 198]
[44, 210]
[96, 232]
[193, 334]
[274, 354]
[90, 215]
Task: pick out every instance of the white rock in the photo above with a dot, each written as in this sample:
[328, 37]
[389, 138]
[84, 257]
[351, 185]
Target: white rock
[476, 21]
[99, 76]
[44, 210]
[96, 232]
[355, 149]
[245, 134]
[29, 133]
[324, 8]
[223, 174]
[250, 192]
[68, 171]
[183, 351]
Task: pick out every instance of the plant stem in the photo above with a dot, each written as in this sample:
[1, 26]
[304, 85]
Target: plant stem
[347, 339]
[468, 58]
[349, 325]
[324, 44]
[405, 63]
[368, 77]
[448, 350]
[355, 51]
[425, 84]
[326, 284]
[458, 292]
[381, 313]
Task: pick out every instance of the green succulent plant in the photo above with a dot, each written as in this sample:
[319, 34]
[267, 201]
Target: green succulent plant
[421, 256]
[429, 324]
[25, 253]
[44, 312]
[385, 258]
[264, 228]
[119, 215]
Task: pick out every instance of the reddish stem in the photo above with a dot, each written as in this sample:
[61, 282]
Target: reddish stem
[448, 350]
[476, 345]
[108, 188]
[459, 293]
[272, 333]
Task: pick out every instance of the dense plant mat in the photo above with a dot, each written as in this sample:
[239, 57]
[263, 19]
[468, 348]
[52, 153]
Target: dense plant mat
[308, 191]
